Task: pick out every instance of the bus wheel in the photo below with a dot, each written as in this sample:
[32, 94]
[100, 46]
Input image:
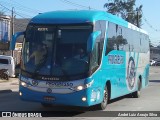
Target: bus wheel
[138, 92]
[104, 103]
[46, 105]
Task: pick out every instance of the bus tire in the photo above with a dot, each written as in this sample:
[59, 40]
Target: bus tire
[104, 103]
[137, 93]
[46, 105]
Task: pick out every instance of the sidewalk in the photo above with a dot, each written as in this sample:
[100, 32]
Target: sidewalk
[11, 85]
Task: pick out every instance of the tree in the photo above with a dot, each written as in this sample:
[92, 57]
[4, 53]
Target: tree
[125, 9]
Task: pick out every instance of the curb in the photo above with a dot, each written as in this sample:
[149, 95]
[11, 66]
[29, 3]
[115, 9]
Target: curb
[4, 81]
[10, 80]
[5, 91]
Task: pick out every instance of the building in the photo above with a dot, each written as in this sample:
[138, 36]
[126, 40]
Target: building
[5, 36]
[19, 25]
[5, 25]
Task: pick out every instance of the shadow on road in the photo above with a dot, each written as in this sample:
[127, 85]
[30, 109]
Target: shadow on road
[12, 98]
[158, 81]
[6, 91]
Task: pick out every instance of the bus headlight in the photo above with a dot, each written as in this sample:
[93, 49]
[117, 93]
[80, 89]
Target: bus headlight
[82, 87]
[23, 84]
[84, 99]
[20, 93]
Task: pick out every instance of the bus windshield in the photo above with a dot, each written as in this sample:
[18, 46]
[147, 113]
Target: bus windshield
[56, 50]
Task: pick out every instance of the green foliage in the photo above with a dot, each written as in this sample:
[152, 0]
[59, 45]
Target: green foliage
[125, 9]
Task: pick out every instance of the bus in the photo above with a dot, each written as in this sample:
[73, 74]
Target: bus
[82, 58]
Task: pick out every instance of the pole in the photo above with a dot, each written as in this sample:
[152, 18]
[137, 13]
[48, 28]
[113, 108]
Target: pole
[137, 18]
[12, 29]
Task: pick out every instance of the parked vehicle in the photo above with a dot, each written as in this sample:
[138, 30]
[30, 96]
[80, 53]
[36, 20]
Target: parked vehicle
[157, 63]
[4, 74]
[7, 62]
[152, 62]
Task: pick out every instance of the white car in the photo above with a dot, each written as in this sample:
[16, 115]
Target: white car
[152, 62]
[7, 62]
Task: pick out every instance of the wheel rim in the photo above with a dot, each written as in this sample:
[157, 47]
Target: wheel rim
[139, 88]
[105, 99]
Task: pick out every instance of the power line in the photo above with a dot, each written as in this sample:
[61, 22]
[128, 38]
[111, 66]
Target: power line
[11, 11]
[19, 6]
[151, 26]
[76, 4]
[26, 11]
[22, 6]
[22, 14]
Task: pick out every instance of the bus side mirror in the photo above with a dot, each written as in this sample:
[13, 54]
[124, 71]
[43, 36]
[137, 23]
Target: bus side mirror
[14, 39]
[92, 40]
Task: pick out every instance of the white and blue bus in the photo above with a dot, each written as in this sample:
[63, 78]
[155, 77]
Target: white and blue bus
[82, 58]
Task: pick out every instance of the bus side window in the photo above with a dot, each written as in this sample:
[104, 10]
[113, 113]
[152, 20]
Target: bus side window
[94, 62]
[111, 40]
[101, 26]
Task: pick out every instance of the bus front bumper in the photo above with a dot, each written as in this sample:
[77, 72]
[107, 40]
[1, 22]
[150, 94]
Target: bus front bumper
[82, 98]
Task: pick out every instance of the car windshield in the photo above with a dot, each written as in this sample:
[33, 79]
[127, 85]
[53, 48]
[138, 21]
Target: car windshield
[56, 50]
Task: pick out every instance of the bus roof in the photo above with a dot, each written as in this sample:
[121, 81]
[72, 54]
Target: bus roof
[80, 16]
[65, 17]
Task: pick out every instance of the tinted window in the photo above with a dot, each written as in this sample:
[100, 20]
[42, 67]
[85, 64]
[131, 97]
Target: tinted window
[144, 43]
[122, 38]
[96, 54]
[57, 50]
[100, 26]
[4, 61]
[116, 39]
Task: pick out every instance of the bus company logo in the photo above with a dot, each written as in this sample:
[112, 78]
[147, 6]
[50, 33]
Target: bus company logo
[131, 74]
[49, 90]
[34, 82]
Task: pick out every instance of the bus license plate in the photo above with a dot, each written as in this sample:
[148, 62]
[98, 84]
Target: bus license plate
[49, 98]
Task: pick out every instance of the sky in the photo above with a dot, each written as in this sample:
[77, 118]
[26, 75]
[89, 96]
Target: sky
[30, 8]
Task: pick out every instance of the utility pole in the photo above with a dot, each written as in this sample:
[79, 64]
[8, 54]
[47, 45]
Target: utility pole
[12, 29]
[138, 10]
[137, 18]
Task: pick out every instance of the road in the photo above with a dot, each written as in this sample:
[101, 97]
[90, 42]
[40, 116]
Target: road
[149, 100]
